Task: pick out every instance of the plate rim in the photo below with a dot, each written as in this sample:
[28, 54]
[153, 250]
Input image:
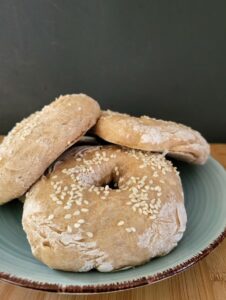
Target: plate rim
[117, 286]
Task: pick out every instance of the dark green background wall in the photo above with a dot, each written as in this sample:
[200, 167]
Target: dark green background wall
[162, 58]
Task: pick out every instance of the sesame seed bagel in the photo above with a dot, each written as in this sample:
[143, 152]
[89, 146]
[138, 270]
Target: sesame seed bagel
[149, 134]
[104, 208]
[38, 140]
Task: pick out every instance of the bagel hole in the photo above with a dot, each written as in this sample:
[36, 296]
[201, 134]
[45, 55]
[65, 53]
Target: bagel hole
[113, 184]
[110, 181]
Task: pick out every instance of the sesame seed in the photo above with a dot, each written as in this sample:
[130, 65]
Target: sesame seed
[84, 210]
[86, 202]
[134, 200]
[120, 223]
[59, 202]
[131, 229]
[67, 207]
[89, 234]
[69, 229]
[81, 221]
[77, 225]
[68, 216]
[50, 217]
[157, 205]
[76, 213]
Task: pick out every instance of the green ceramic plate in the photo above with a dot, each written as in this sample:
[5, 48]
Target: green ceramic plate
[205, 195]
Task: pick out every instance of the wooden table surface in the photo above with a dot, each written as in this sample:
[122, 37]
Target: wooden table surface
[205, 281]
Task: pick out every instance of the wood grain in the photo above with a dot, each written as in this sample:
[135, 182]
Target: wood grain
[204, 281]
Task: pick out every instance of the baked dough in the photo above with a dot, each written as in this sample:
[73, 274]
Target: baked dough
[150, 134]
[38, 140]
[104, 208]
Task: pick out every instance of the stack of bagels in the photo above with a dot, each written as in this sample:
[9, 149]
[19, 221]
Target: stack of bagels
[109, 200]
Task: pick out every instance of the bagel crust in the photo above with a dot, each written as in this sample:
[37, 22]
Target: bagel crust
[104, 208]
[38, 140]
[149, 134]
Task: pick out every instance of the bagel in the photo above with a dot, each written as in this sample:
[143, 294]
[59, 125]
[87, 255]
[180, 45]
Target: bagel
[149, 134]
[38, 140]
[105, 208]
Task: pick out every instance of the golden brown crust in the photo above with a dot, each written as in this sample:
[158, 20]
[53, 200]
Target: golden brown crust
[38, 140]
[150, 134]
[104, 207]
